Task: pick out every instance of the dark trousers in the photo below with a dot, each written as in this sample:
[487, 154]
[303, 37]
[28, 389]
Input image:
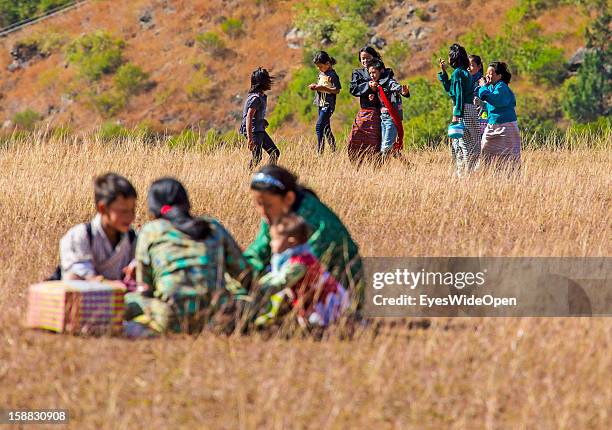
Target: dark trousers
[263, 141]
[324, 130]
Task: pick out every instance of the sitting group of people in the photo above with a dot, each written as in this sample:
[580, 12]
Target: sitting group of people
[184, 273]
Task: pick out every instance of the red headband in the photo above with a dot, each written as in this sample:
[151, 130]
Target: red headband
[165, 209]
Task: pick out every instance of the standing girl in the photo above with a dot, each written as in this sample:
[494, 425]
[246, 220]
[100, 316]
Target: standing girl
[465, 150]
[476, 71]
[254, 118]
[326, 88]
[501, 141]
[366, 133]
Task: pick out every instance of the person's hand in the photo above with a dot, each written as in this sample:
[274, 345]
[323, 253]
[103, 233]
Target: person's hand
[142, 288]
[251, 144]
[371, 97]
[405, 90]
[129, 272]
[373, 84]
[442, 65]
[313, 87]
[482, 82]
[455, 118]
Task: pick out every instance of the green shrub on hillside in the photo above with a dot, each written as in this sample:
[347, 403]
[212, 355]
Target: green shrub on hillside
[586, 95]
[427, 114]
[395, 54]
[341, 24]
[233, 27]
[27, 119]
[211, 43]
[130, 79]
[12, 11]
[199, 86]
[46, 42]
[109, 103]
[96, 54]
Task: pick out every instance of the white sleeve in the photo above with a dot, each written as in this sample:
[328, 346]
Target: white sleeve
[75, 253]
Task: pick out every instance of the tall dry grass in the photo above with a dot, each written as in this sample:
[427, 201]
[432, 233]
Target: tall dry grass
[461, 373]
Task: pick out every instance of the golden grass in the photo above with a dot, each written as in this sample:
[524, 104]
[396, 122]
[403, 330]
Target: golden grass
[459, 373]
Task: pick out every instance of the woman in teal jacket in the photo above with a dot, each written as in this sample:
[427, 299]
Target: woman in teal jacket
[501, 141]
[459, 88]
[277, 192]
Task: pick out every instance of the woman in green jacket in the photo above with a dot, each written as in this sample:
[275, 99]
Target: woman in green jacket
[459, 88]
[276, 192]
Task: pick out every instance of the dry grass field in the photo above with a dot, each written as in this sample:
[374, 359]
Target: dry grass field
[459, 373]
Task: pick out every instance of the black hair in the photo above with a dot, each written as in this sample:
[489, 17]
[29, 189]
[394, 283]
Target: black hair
[370, 51]
[294, 226]
[168, 199]
[277, 180]
[323, 57]
[261, 81]
[110, 186]
[502, 69]
[476, 59]
[377, 64]
[458, 57]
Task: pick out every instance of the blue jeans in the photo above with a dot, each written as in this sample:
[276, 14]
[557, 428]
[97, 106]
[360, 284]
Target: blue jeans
[388, 132]
[323, 129]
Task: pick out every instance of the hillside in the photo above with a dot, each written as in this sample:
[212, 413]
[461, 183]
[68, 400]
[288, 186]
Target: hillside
[199, 54]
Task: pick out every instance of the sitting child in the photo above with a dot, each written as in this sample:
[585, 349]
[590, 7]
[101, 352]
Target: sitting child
[105, 246]
[391, 112]
[299, 279]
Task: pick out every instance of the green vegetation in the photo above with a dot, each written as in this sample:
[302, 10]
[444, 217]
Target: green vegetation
[12, 11]
[422, 14]
[341, 23]
[233, 27]
[588, 94]
[27, 119]
[199, 87]
[211, 43]
[109, 103]
[395, 54]
[425, 113]
[96, 54]
[45, 43]
[185, 140]
[130, 79]
[110, 131]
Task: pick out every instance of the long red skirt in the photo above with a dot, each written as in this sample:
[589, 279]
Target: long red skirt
[364, 141]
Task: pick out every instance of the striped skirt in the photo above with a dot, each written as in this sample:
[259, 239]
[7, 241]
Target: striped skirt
[501, 143]
[365, 137]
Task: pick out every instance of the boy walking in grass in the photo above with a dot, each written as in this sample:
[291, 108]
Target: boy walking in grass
[103, 247]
